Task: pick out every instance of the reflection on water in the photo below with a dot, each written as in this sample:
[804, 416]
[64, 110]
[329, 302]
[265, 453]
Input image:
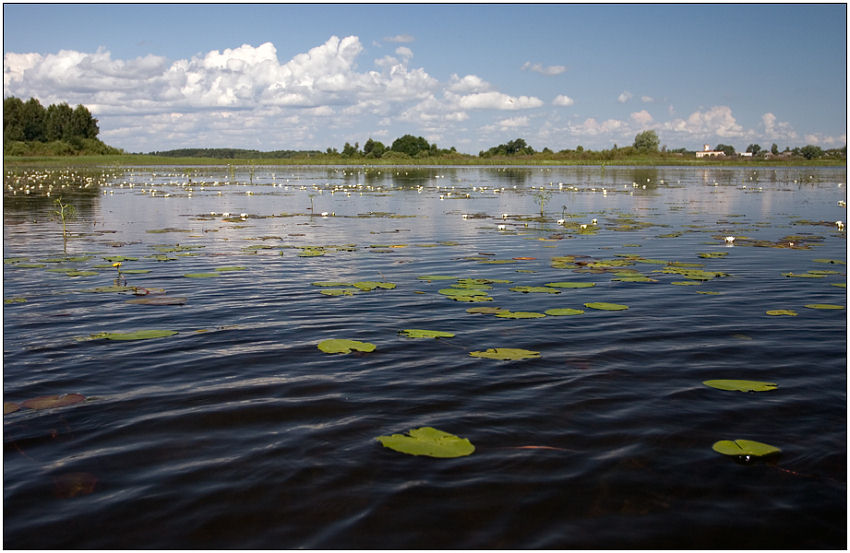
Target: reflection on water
[238, 432]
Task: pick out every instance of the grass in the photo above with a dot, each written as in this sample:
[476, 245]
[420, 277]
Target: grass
[323, 159]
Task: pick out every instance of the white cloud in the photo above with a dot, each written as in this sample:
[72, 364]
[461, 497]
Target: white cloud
[543, 70]
[404, 52]
[647, 99]
[716, 121]
[591, 127]
[513, 123]
[468, 84]
[563, 100]
[777, 130]
[642, 117]
[498, 100]
[624, 97]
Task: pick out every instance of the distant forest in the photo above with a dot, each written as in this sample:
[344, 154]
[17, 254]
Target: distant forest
[31, 129]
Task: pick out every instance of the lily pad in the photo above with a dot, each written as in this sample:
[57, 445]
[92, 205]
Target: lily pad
[368, 285]
[419, 333]
[337, 292]
[46, 402]
[741, 385]
[604, 306]
[331, 284]
[789, 312]
[10, 407]
[571, 284]
[744, 448]
[485, 310]
[466, 292]
[520, 315]
[823, 306]
[535, 289]
[428, 441]
[137, 335]
[563, 311]
[229, 269]
[339, 345]
[506, 354]
[202, 275]
[436, 277]
[712, 255]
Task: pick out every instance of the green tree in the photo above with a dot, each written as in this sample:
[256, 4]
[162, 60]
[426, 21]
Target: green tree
[348, 150]
[726, 149]
[410, 145]
[373, 148]
[646, 142]
[13, 119]
[811, 152]
[754, 149]
[57, 122]
[33, 114]
[83, 124]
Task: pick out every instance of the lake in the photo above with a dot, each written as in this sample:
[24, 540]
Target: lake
[232, 429]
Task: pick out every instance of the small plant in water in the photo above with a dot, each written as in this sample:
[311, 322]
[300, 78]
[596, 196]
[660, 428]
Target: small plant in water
[65, 212]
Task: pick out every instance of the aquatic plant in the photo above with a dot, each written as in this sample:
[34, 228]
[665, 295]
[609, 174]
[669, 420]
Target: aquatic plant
[428, 441]
[64, 212]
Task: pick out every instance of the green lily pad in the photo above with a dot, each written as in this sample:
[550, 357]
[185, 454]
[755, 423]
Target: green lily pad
[229, 269]
[108, 289]
[604, 306]
[520, 315]
[823, 306]
[419, 333]
[686, 282]
[461, 292]
[485, 310]
[789, 312]
[202, 275]
[634, 279]
[137, 335]
[339, 345]
[337, 292]
[832, 261]
[563, 311]
[472, 299]
[744, 448]
[368, 285]
[158, 300]
[571, 284]
[707, 292]
[535, 289]
[136, 272]
[712, 255]
[741, 385]
[803, 275]
[428, 441]
[506, 354]
[119, 258]
[332, 284]
[14, 300]
[436, 277]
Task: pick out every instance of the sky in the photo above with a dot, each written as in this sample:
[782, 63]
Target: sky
[469, 76]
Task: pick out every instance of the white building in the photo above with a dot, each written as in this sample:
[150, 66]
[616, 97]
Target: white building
[708, 152]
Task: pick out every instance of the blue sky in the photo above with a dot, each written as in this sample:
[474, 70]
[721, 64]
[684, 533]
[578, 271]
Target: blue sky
[472, 76]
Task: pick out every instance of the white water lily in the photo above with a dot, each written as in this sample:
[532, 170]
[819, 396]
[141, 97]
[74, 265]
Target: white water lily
[730, 239]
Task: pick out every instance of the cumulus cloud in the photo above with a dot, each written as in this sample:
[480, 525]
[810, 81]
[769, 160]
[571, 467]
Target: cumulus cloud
[543, 70]
[468, 84]
[592, 127]
[647, 99]
[716, 121]
[777, 130]
[642, 117]
[624, 97]
[513, 123]
[563, 100]
[498, 100]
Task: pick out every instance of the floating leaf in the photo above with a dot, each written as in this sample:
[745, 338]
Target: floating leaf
[135, 271]
[803, 275]
[712, 255]
[832, 261]
[519, 315]
[368, 285]
[14, 300]
[485, 310]
[339, 345]
[741, 385]
[506, 354]
[337, 292]
[229, 269]
[10, 407]
[107, 289]
[118, 258]
[461, 292]
[437, 277]
[571, 284]
[823, 306]
[331, 284]
[706, 292]
[202, 275]
[788, 312]
[158, 300]
[563, 311]
[535, 289]
[47, 402]
[419, 333]
[604, 306]
[137, 335]
[744, 448]
[428, 441]
[634, 279]
[687, 283]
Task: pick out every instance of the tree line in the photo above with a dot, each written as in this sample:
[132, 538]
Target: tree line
[29, 127]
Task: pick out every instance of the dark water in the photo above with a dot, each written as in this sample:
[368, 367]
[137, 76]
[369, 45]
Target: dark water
[237, 432]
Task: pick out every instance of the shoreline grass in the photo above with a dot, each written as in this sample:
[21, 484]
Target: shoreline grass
[122, 160]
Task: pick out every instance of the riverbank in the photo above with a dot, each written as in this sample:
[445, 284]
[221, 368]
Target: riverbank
[319, 160]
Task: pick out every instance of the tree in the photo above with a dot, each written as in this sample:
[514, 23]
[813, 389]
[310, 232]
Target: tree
[13, 119]
[33, 114]
[754, 149]
[83, 124]
[410, 145]
[811, 152]
[774, 149]
[348, 150]
[647, 142]
[726, 149]
[373, 148]
[57, 122]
